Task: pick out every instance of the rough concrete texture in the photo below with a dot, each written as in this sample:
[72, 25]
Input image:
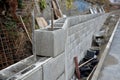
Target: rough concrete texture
[54, 68]
[32, 72]
[50, 43]
[17, 67]
[62, 77]
[33, 75]
[73, 39]
[79, 19]
[112, 71]
[79, 39]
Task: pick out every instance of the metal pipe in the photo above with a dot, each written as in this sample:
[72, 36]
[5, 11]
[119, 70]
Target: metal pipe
[52, 16]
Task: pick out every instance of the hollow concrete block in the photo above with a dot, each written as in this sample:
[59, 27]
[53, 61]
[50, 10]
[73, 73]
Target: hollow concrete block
[53, 69]
[50, 43]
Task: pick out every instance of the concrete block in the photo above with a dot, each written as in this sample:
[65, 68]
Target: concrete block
[54, 68]
[50, 43]
[77, 35]
[79, 38]
[73, 20]
[35, 75]
[68, 40]
[71, 71]
[68, 48]
[58, 25]
[75, 29]
[33, 72]
[62, 77]
[83, 37]
[62, 20]
[84, 18]
[72, 38]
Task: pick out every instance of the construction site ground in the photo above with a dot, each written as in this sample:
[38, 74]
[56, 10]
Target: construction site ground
[110, 69]
[110, 60]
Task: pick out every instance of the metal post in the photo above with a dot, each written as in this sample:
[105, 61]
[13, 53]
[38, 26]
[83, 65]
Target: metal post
[52, 16]
[33, 41]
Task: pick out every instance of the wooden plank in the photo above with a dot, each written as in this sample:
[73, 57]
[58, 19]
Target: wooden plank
[57, 12]
[86, 62]
[25, 29]
[88, 78]
[41, 22]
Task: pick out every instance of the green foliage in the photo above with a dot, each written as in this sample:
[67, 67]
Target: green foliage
[10, 23]
[20, 4]
[11, 26]
[69, 4]
[42, 4]
[36, 26]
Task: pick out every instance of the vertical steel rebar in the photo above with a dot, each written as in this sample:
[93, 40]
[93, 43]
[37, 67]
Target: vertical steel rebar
[52, 16]
[33, 41]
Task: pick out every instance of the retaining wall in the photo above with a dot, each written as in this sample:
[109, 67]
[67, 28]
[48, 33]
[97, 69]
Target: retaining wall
[79, 38]
[79, 31]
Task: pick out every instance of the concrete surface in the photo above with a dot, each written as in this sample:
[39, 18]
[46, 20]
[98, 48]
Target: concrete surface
[17, 67]
[73, 39]
[79, 38]
[112, 71]
[33, 75]
[78, 34]
[50, 43]
[105, 48]
[62, 77]
[54, 68]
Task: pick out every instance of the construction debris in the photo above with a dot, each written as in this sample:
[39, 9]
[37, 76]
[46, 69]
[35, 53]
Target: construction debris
[77, 68]
[41, 22]
[56, 9]
[87, 66]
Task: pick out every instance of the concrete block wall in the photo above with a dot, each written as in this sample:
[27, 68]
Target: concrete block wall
[50, 43]
[62, 77]
[79, 31]
[79, 39]
[55, 68]
[33, 75]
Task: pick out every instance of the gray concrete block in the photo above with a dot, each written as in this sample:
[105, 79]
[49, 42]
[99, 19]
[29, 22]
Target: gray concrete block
[73, 20]
[68, 48]
[68, 40]
[62, 20]
[58, 25]
[71, 71]
[79, 38]
[77, 35]
[54, 68]
[34, 75]
[62, 77]
[75, 28]
[50, 43]
[72, 38]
